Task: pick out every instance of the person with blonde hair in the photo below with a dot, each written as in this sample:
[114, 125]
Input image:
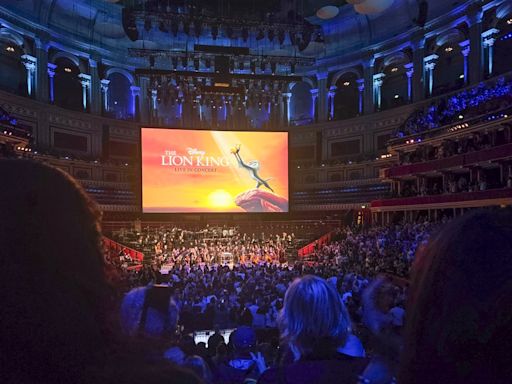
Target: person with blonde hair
[315, 327]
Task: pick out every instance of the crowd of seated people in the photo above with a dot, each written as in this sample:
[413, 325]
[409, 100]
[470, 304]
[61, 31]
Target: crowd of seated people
[212, 295]
[472, 102]
[455, 183]
[471, 143]
[61, 324]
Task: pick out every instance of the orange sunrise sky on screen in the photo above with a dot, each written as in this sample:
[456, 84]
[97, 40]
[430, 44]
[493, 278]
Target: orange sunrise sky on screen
[164, 189]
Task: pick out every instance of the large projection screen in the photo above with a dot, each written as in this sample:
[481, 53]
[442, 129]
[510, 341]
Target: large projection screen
[213, 171]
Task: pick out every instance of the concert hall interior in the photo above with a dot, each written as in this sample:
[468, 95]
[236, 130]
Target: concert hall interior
[241, 191]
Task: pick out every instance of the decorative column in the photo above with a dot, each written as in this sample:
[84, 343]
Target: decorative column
[409, 71]
[135, 91]
[104, 92]
[418, 53]
[368, 70]
[42, 88]
[465, 47]
[269, 114]
[360, 88]
[144, 105]
[488, 39]
[323, 105]
[430, 64]
[95, 88]
[314, 107]
[199, 107]
[30, 63]
[228, 105]
[331, 95]
[475, 16]
[51, 80]
[154, 104]
[85, 80]
[378, 80]
[286, 103]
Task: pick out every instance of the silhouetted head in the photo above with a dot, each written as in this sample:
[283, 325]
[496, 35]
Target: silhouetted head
[313, 320]
[53, 281]
[459, 316]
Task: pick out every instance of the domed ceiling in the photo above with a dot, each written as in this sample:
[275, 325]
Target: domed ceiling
[345, 26]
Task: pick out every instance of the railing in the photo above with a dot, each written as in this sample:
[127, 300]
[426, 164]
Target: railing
[496, 194]
[341, 183]
[113, 247]
[490, 154]
[119, 208]
[329, 206]
[310, 248]
[461, 126]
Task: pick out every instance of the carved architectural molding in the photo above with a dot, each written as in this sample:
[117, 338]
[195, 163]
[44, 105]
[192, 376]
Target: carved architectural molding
[19, 110]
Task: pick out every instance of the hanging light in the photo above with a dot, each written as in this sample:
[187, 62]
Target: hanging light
[186, 27]
[147, 24]
[162, 27]
[229, 32]
[197, 28]
[215, 31]
[273, 67]
[280, 36]
[184, 61]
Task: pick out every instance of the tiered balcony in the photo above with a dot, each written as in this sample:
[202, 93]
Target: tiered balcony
[459, 161]
[497, 197]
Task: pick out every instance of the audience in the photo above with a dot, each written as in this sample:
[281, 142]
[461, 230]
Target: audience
[476, 101]
[340, 312]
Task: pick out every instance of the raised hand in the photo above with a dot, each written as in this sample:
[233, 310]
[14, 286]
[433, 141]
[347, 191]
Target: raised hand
[259, 359]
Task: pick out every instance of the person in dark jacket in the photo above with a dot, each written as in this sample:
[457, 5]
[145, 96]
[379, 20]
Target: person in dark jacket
[315, 327]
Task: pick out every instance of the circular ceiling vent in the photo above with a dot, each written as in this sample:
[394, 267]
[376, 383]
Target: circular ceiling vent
[327, 12]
